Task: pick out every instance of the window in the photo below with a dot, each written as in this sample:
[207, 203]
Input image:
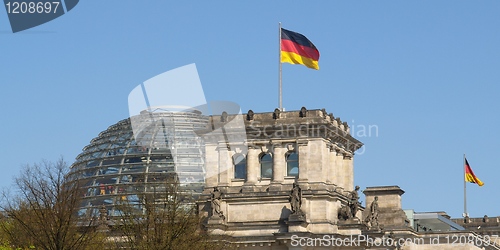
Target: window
[292, 164]
[266, 166]
[240, 166]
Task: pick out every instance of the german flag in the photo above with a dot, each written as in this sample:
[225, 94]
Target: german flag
[297, 49]
[470, 176]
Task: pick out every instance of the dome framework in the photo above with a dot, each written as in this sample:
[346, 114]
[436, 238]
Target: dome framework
[138, 156]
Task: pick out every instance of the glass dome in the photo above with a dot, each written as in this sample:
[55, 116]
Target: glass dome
[120, 165]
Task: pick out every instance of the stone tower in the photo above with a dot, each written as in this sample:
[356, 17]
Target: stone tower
[255, 175]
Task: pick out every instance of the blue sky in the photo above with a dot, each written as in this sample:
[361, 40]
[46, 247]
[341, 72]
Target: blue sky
[425, 73]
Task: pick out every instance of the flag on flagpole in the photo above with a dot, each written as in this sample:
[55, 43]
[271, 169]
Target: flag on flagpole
[470, 176]
[297, 49]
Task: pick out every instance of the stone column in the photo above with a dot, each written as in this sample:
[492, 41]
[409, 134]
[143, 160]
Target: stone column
[339, 165]
[225, 165]
[332, 167]
[315, 151]
[303, 151]
[252, 165]
[325, 162]
[348, 172]
[212, 166]
[279, 164]
[279, 168]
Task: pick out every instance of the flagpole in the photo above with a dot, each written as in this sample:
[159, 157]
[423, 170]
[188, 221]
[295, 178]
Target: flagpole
[465, 191]
[280, 86]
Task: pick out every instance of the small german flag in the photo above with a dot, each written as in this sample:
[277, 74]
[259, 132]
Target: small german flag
[297, 49]
[470, 176]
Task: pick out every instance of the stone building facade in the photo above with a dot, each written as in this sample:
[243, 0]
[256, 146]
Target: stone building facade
[288, 183]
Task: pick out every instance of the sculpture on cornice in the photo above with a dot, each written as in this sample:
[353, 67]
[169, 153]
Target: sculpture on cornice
[303, 112]
[296, 199]
[372, 218]
[223, 117]
[215, 198]
[353, 202]
[250, 115]
[276, 114]
[344, 213]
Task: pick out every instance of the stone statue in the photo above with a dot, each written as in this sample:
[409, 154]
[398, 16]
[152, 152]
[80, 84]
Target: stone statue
[276, 114]
[372, 219]
[215, 199]
[344, 213]
[223, 117]
[296, 199]
[353, 202]
[303, 112]
[486, 219]
[250, 115]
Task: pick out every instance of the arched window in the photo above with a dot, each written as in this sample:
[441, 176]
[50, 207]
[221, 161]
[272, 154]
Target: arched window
[266, 166]
[292, 164]
[240, 166]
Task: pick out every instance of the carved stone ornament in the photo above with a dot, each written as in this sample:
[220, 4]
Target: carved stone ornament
[338, 121]
[323, 111]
